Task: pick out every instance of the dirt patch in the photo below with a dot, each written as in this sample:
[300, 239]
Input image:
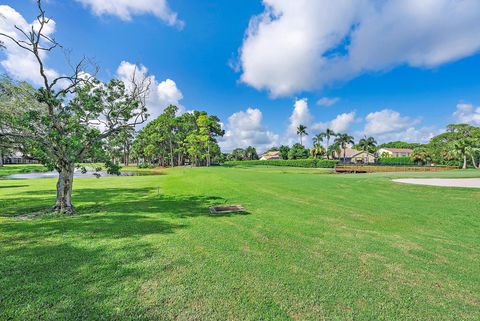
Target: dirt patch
[30, 216]
[222, 209]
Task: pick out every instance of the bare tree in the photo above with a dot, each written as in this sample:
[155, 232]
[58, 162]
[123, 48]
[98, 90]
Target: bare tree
[78, 112]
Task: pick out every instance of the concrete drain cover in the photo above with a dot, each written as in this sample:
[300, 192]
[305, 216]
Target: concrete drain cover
[226, 209]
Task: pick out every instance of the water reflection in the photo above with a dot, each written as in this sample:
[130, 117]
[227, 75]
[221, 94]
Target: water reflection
[77, 174]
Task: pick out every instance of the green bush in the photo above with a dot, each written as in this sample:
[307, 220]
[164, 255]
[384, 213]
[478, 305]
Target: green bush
[113, 168]
[145, 165]
[312, 163]
[298, 152]
[396, 161]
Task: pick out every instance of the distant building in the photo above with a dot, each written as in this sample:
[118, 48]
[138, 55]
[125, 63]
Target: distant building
[18, 158]
[355, 156]
[271, 155]
[395, 152]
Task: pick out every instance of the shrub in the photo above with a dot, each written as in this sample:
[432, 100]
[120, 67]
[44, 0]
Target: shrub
[311, 163]
[145, 165]
[396, 161]
[113, 168]
[298, 152]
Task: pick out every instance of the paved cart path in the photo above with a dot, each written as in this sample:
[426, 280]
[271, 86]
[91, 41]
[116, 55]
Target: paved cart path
[449, 182]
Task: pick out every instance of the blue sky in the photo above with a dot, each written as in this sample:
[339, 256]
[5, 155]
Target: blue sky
[263, 66]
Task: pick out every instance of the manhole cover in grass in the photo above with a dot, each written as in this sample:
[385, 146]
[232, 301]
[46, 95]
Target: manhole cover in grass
[221, 209]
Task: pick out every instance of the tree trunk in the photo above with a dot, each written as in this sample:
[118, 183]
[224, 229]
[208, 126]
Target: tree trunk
[208, 154]
[64, 190]
[328, 143]
[344, 156]
[1, 158]
[474, 162]
[464, 162]
[126, 155]
[171, 153]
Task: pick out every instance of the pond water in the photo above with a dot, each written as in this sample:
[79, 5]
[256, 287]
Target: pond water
[77, 174]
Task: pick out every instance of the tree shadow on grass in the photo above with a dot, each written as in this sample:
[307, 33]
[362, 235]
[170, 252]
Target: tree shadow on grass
[101, 227]
[117, 200]
[13, 186]
[128, 201]
[62, 281]
[106, 213]
[95, 264]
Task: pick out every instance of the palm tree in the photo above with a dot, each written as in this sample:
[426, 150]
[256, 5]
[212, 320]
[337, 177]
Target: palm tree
[328, 133]
[463, 141]
[301, 130]
[463, 149]
[367, 144]
[458, 149]
[317, 150]
[334, 149]
[421, 155]
[343, 140]
[318, 139]
[473, 151]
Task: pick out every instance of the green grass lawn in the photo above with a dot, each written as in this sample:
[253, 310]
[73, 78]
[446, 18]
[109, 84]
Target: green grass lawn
[310, 247]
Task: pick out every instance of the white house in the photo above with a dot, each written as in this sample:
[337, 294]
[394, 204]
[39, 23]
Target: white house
[18, 158]
[395, 152]
[356, 156]
[271, 155]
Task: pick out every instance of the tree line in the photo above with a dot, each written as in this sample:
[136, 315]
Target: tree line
[459, 146]
[171, 140]
[326, 144]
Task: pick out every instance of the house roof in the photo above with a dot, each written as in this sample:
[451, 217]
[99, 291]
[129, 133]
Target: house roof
[271, 154]
[399, 150]
[16, 154]
[350, 153]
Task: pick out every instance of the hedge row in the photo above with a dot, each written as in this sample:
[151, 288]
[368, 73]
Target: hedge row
[312, 163]
[396, 161]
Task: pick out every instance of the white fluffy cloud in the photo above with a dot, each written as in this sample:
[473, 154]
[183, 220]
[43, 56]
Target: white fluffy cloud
[126, 9]
[389, 125]
[342, 122]
[245, 129]
[410, 134]
[305, 44]
[387, 121]
[18, 62]
[467, 113]
[161, 94]
[301, 116]
[327, 102]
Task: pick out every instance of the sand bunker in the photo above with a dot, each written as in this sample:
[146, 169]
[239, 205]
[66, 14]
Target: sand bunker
[447, 182]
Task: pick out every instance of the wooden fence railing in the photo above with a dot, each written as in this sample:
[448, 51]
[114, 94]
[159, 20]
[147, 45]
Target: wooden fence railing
[352, 168]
